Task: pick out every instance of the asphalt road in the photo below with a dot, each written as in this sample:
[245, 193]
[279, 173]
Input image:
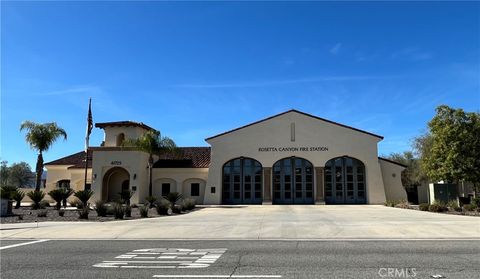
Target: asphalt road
[230, 259]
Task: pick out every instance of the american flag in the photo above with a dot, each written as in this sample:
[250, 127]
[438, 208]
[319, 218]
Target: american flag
[89, 124]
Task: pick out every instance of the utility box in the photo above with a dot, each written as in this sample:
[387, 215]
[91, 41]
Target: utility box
[443, 192]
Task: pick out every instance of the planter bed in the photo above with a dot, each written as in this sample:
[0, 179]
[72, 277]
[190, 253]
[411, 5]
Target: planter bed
[464, 212]
[30, 216]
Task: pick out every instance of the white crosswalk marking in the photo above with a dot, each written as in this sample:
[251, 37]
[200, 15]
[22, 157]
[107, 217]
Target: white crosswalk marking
[165, 258]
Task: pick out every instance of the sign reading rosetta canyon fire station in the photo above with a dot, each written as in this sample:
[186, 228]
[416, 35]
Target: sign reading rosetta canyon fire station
[293, 149]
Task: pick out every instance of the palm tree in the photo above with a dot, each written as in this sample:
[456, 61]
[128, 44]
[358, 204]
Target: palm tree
[41, 137]
[153, 143]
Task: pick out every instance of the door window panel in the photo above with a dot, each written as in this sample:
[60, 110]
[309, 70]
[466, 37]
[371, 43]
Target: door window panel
[240, 177]
[293, 180]
[347, 184]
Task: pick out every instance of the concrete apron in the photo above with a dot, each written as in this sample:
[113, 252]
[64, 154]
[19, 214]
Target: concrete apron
[289, 222]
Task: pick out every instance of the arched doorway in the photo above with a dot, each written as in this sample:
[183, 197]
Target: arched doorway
[115, 181]
[345, 181]
[242, 182]
[293, 181]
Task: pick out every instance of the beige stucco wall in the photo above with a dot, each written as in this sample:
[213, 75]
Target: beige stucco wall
[111, 134]
[56, 173]
[180, 179]
[134, 162]
[309, 132]
[392, 181]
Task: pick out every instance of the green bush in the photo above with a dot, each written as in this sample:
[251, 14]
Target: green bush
[189, 204]
[36, 197]
[57, 196]
[44, 204]
[469, 207]
[476, 202]
[128, 211]
[18, 197]
[125, 196]
[144, 211]
[151, 201]
[6, 192]
[101, 208]
[423, 206]
[177, 209]
[83, 211]
[437, 206]
[173, 198]
[390, 203]
[402, 204]
[118, 210]
[162, 207]
[84, 196]
[453, 206]
[42, 213]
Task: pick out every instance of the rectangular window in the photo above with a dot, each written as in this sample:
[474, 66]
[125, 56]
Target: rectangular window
[212, 190]
[195, 189]
[165, 189]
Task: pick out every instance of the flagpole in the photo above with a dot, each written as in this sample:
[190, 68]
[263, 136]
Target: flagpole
[86, 169]
[87, 138]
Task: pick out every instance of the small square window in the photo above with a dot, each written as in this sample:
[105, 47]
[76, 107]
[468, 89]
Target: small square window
[212, 190]
[195, 189]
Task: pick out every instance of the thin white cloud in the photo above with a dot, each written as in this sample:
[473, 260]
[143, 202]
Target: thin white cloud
[336, 48]
[412, 53]
[266, 83]
[81, 89]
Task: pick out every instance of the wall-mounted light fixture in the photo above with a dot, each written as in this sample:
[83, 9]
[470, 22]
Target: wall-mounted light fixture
[94, 176]
[134, 176]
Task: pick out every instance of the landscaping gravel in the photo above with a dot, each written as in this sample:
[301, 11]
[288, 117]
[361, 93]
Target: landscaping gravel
[27, 215]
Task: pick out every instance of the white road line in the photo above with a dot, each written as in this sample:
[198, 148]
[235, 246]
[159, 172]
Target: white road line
[217, 276]
[256, 276]
[150, 262]
[191, 276]
[22, 244]
[265, 239]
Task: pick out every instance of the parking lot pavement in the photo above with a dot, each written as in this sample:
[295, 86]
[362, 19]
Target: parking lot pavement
[268, 222]
[239, 259]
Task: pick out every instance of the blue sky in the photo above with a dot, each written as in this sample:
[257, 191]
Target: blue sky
[193, 70]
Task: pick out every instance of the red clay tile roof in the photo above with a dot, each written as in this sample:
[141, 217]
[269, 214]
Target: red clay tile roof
[74, 159]
[300, 112]
[188, 157]
[123, 123]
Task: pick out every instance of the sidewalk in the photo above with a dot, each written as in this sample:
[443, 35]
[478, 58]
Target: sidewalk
[266, 222]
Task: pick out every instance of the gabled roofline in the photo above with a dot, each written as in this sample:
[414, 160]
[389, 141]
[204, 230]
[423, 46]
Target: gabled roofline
[393, 162]
[123, 123]
[300, 112]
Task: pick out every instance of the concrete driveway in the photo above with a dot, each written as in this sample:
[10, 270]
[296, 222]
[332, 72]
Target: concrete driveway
[267, 222]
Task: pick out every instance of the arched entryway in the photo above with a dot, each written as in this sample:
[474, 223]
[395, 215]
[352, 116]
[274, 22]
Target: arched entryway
[242, 182]
[345, 181]
[115, 181]
[293, 181]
